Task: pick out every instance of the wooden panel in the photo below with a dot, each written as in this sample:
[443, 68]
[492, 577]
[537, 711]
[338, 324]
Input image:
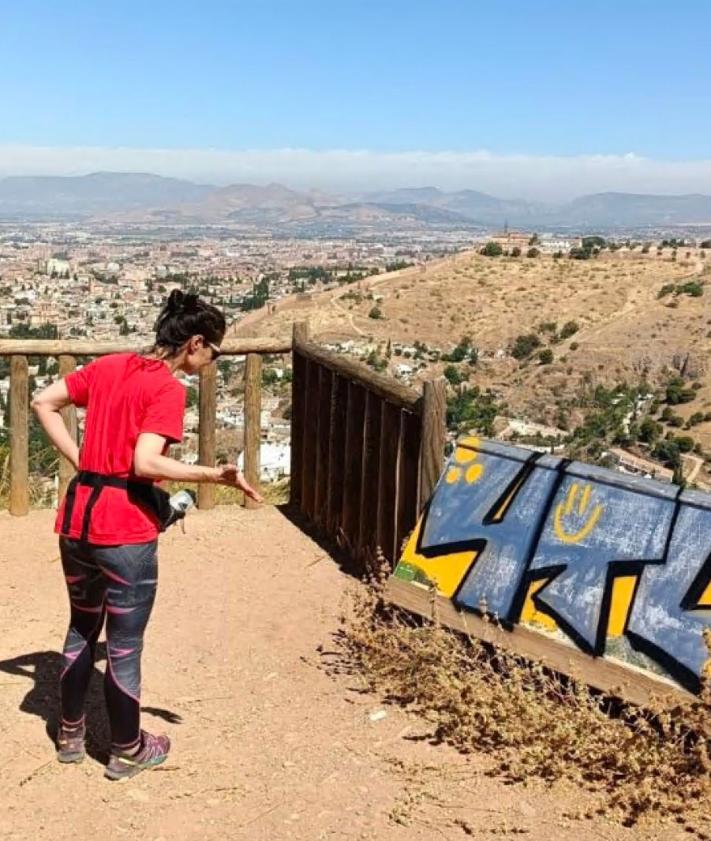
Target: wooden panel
[252, 422]
[323, 441]
[206, 431]
[19, 445]
[408, 477]
[385, 387]
[370, 476]
[353, 464]
[387, 480]
[434, 436]
[603, 674]
[336, 453]
[298, 388]
[57, 347]
[67, 364]
[308, 458]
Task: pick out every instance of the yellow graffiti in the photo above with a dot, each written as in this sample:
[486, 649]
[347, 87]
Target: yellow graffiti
[620, 604]
[705, 600]
[565, 509]
[446, 572]
[530, 615]
[465, 463]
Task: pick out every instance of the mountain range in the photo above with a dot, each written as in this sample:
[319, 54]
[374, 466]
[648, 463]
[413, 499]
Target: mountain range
[143, 198]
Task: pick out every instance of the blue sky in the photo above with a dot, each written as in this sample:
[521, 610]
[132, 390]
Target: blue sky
[549, 78]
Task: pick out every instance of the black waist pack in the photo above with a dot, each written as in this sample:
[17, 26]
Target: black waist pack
[145, 494]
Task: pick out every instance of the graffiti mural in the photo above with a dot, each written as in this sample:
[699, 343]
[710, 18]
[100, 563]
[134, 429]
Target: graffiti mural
[616, 563]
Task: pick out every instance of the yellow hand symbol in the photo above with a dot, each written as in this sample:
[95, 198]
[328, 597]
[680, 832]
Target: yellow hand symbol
[564, 509]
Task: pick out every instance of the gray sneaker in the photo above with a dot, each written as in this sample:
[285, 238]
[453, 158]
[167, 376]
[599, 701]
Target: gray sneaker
[153, 751]
[70, 743]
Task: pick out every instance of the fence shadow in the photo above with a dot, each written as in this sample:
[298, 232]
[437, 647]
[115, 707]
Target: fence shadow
[43, 668]
[340, 554]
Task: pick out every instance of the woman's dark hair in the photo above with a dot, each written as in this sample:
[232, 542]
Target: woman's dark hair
[184, 315]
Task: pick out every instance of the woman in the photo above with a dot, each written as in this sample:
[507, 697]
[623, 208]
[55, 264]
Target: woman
[108, 523]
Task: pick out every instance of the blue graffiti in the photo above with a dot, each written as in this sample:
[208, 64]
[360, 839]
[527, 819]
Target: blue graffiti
[464, 516]
[665, 620]
[527, 517]
[631, 530]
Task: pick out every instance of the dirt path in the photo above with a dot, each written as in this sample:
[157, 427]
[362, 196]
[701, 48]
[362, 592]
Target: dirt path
[267, 744]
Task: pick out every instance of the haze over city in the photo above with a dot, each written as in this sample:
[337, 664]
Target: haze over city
[542, 101]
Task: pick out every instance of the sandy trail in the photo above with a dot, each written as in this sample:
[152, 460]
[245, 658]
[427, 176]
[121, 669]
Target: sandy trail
[267, 744]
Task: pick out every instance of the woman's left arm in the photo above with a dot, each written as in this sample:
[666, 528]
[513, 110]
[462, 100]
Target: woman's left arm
[46, 405]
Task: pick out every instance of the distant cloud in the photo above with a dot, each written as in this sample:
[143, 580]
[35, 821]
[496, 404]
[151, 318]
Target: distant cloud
[509, 176]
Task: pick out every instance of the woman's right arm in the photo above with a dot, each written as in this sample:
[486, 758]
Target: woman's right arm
[150, 463]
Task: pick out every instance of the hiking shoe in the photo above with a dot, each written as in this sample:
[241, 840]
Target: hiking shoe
[153, 751]
[70, 743]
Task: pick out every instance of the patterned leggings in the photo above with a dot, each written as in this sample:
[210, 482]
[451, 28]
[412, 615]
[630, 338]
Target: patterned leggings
[117, 583]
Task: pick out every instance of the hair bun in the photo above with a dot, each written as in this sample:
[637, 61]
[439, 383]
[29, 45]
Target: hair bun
[176, 301]
[190, 302]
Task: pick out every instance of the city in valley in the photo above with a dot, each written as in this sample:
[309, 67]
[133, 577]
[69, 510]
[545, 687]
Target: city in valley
[568, 342]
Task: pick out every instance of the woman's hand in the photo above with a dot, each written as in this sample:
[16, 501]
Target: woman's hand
[228, 474]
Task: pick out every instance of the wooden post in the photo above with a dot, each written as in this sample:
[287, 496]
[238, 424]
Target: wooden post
[252, 422]
[336, 453]
[370, 472]
[67, 364]
[298, 386]
[19, 446]
[206, 431]
[308, 450]
[323, 441]
[353, 465]
[408, 477]
[387, 480]
[434, 437]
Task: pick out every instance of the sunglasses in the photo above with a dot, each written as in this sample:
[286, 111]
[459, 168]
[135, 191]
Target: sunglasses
[216, 352]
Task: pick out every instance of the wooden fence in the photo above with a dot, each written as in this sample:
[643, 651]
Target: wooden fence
[67, 352]
[366, 451]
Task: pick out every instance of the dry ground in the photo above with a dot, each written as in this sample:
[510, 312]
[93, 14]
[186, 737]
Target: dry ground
[269, 743]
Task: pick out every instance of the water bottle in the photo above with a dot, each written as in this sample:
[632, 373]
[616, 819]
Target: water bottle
[180, 502]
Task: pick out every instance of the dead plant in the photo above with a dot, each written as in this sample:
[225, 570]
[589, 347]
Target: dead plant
[639, 762]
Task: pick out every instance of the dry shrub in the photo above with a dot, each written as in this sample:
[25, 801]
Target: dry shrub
[639, 762]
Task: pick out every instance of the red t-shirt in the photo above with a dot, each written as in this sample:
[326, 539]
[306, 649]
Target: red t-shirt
[125, 395]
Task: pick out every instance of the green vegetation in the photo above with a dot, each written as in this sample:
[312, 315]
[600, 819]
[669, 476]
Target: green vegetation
[376, 362]
[677, 392]
[492, 249]
[693, 288]
[533, 252]
[524, 346]
[258, 297]
[570, 328]
[463, 351]
[589, 247]
[453, 375]
[24, 331]
[397, 265]
[473, 409]
[545, 356]
[375, 313]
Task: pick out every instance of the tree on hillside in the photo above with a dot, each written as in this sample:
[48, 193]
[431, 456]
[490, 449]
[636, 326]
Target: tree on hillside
[492, 249]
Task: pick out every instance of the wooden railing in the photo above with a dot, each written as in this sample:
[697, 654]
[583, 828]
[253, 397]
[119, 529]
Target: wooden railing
[366, 451]
[67, 352]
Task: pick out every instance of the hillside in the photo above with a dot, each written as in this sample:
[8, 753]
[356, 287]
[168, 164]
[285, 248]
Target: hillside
[625, 331]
